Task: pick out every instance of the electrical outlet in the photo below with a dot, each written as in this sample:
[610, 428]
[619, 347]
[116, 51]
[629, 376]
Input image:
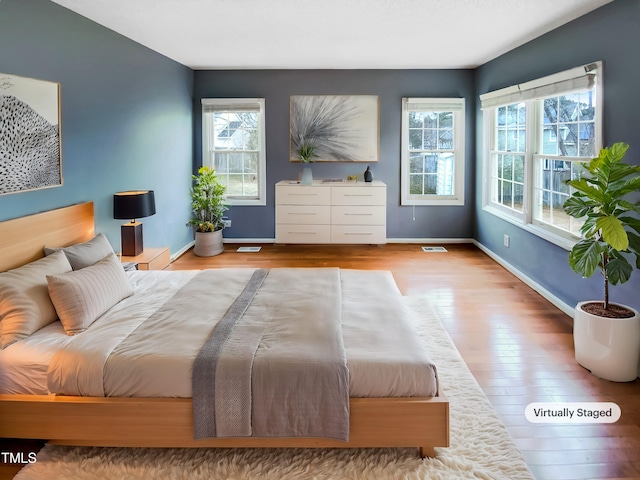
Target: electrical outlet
[226, 222]
[506, 240]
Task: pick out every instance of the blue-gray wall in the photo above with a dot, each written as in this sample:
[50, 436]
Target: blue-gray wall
[611, 34]
[276, 86]
[126, 118]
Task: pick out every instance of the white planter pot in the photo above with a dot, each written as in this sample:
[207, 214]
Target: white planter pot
[208, 244]
[608, 347]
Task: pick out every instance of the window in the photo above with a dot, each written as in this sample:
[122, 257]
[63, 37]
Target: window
[432, 151]
[508, 158]
[233, 142]
[536, 136]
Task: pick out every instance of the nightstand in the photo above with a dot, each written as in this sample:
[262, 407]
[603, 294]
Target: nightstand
[151, 259]
[129, 266]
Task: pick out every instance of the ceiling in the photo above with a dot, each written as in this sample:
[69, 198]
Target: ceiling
[331, 34]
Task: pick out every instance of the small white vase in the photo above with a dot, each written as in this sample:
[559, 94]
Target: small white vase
[608, 347]
[307, 176]
[208, 244]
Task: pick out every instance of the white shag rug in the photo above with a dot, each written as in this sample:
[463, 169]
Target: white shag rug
[481, 447]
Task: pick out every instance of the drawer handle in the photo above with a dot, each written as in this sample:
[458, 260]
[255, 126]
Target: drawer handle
[358, 195]
[359, 214]
[356, 233]
[304, 194]
[303, 213]
[302, 233]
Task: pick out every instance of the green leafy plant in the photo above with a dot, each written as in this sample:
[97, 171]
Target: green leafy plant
[306, 152]
[207, 201]
[610, 229]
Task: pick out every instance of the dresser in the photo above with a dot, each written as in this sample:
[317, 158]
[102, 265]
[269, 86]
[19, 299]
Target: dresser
[341, 212]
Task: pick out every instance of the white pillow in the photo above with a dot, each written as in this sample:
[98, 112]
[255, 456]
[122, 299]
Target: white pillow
[84, 254]
[25, 306]
[81, 296]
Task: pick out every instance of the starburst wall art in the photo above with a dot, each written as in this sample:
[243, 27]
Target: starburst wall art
[341, 128]
[29, 134]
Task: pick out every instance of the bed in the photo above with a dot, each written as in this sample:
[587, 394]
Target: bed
[138, 419]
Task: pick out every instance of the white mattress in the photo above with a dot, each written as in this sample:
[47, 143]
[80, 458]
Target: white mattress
[384, 353]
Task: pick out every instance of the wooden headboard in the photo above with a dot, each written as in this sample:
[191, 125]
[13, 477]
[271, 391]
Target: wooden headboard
[22, 239]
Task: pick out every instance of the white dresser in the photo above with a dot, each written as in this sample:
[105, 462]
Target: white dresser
[341, 212]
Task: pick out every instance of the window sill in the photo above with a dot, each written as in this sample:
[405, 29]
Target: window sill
[432, 201]
[559, 240]
[239, 202]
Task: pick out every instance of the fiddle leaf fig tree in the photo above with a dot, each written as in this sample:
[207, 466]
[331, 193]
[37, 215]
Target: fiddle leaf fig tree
[611, 227]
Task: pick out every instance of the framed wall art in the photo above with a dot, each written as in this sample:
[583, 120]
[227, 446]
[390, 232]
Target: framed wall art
[30, 153]
[340, 128]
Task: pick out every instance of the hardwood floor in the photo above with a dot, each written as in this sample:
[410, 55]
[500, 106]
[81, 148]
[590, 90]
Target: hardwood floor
[517, 345]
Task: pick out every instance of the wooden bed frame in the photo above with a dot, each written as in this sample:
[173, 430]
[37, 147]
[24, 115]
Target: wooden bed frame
[168, 422]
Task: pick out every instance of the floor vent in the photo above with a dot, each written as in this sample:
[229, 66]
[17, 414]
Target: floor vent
[248, 249]
[434, 249]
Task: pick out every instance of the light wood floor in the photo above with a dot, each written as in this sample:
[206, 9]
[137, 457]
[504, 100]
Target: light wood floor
[517, 345]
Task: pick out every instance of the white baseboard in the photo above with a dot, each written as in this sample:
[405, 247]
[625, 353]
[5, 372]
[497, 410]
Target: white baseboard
[248, 240]
[389, 240]
[181, 252]
[430, 240]
[566, 308]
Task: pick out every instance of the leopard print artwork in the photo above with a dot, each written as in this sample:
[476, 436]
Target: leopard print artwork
[29, 148]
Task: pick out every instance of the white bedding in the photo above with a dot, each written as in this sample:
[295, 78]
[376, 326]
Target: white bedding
[384, 354]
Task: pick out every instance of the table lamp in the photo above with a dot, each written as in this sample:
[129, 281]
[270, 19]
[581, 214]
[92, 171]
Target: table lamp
[131, 205]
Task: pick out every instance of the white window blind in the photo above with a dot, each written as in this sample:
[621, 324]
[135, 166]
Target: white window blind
[573, 80]
[433, 104]
[232, 105]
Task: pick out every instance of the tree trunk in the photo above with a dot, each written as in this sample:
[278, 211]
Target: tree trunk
[605, 261]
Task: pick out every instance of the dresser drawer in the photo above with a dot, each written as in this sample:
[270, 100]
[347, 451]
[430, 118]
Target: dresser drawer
[358, 214]
[303, 214]
[303, 233]
[302, 195]
[364, 195]
[359, 234]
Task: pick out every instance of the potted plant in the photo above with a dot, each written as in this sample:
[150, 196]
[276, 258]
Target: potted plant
[607, 335]
[207, 205]
[306, 152]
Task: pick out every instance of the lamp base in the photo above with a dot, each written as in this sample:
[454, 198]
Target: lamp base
[131, 235]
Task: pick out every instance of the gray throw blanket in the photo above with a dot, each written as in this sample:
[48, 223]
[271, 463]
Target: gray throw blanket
[275, 365]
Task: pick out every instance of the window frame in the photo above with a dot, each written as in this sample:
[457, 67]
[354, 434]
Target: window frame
[490, 140]
[533, 94]
[457, 106]
[212, 105]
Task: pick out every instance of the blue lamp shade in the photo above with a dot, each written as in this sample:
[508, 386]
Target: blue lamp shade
[131, 205]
